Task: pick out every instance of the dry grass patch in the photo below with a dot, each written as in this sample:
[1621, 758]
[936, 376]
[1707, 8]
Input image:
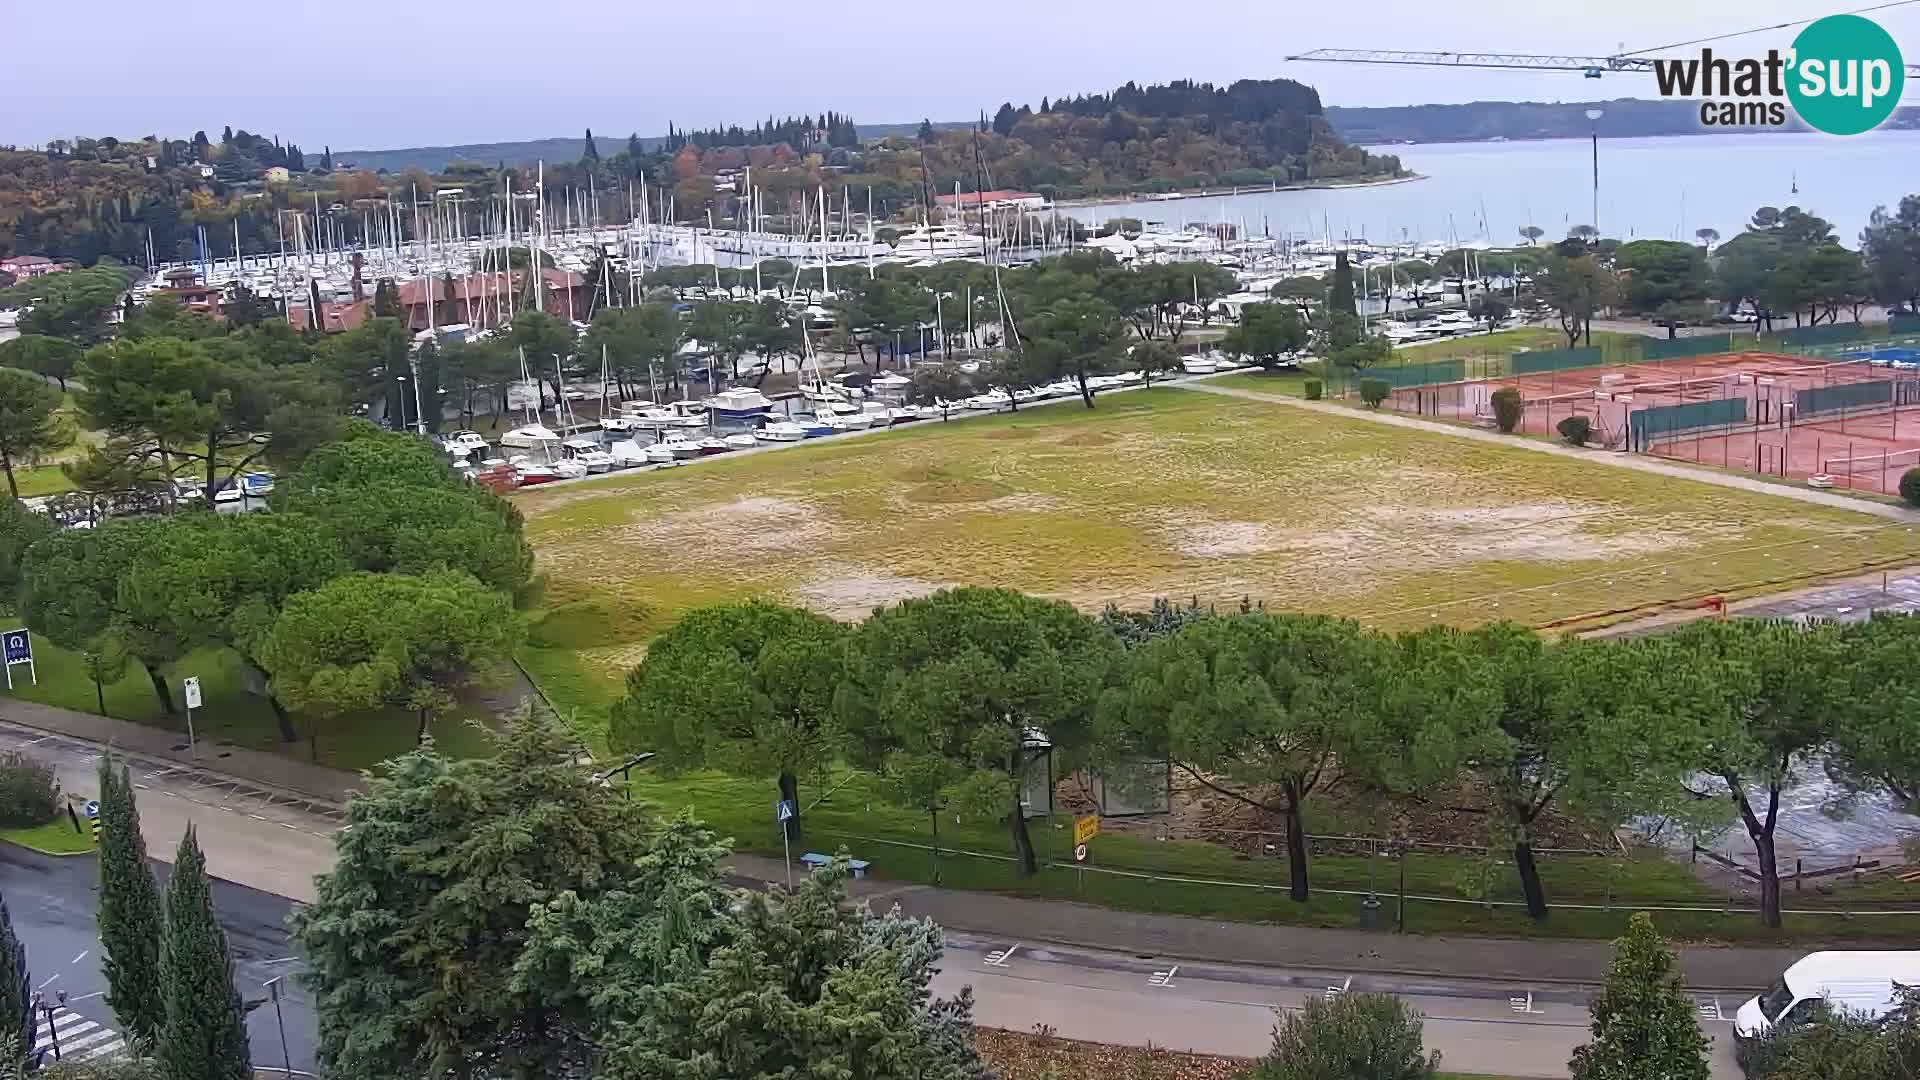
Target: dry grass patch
[1167, 493]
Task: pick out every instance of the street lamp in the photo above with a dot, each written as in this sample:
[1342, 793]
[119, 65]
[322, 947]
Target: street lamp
[1593, 117]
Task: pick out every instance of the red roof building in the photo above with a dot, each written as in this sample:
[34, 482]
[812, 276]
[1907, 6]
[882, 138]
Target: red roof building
[23, 267]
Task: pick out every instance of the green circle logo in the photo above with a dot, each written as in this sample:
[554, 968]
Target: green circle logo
[1847, 75]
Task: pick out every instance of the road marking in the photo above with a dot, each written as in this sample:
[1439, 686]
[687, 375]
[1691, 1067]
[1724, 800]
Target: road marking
[257, 817]
[82, 956]
[1523, 1005]
[282, 960]
[49, 981]
[84, 997]
[1710, 1010]
[999, 959]
[1163, 979]
[1336, 991]
[79, 1038]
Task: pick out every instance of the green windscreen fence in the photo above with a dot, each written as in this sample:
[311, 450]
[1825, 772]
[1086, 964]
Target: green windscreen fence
[1537, 360]
[1841, 397]
[1703, 345]
[1648, 426]
[1904, 324]
[1824, 335]
[1401, 376]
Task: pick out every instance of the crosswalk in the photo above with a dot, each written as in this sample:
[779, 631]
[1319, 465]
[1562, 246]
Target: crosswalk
[79, 1038]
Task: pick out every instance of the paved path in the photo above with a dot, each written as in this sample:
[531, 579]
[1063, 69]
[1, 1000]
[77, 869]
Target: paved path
[1609, 459]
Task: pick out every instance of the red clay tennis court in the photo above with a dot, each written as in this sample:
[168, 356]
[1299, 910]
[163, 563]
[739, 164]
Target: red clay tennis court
[1867, 447]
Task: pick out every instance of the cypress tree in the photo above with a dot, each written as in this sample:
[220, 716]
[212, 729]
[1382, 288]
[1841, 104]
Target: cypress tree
[205, 1035]
[1340, 293]
[130, 921]
[16, 993]
[1644, 1024]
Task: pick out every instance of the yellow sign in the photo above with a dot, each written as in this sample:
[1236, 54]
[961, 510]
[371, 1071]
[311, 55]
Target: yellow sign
[1085, 829]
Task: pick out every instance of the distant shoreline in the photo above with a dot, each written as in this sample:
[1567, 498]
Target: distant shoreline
[1172, 196]
[1386, 147]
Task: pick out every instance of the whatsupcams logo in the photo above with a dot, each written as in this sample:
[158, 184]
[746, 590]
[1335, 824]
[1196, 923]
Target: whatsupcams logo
[1843, 76]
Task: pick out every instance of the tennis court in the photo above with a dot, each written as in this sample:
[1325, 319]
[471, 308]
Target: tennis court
[1606, 395]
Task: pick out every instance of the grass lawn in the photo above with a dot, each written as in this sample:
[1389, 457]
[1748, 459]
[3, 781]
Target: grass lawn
[1166, 493]
[56, 837]
[1155, 493]
[231, 714]
[845, 810]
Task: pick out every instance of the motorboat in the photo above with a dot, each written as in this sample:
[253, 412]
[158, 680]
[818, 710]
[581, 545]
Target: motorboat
[711, 445]
[462, 443]
[256, 485]
[531, 437]
[688, 414]
[853, 421]
[660, 454]
[740, 442]
[739, 403]
[588, 453]
[680, 446]
[781, 431]
[621, 423]
[626, 454]
[534, 473]
[815, 428]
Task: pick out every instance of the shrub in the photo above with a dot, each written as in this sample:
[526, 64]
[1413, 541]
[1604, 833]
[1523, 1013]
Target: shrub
[1374, 391]
[1575, 429]
[1350, 1037]
[29, 794]
[1910, 486]
[1507, 408]
[1313, 394]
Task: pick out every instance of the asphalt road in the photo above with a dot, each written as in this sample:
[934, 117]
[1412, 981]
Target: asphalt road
[52, 900]
[1228, 1009]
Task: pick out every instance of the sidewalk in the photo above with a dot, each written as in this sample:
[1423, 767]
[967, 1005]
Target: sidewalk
[268, 770]
[1517, 963]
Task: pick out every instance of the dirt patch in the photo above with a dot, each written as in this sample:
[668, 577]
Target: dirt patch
[958, 489]
[1222, 539]
[1019, 1055]
[757, 523]
[1089, 438]
[1541, 532]
[1010, 433]
[848, 592]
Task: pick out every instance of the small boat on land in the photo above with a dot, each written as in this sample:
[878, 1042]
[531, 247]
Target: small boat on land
[589, 454]
[739, 403]
[740, 442]
[711, 445]
[680, 446]
[659, 454]
[627, 454]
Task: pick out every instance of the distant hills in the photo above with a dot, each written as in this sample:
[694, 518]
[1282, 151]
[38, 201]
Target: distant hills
[1482, 120]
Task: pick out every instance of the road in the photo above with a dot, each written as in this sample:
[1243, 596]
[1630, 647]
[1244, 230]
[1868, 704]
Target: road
[52, 900]
[1226, 1009]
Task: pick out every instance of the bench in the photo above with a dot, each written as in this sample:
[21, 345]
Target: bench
[816, 861]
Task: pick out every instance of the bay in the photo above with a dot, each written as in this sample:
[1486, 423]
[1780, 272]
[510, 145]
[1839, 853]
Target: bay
[1650, 188]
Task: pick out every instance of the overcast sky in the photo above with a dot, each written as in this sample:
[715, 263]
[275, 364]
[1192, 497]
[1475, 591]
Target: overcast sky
[375, 74]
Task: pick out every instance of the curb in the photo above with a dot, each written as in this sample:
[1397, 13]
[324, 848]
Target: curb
[1358, 966]
[21, 726]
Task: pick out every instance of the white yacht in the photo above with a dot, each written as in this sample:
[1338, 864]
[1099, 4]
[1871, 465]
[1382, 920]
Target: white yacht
[781, 431]
[531, 437]
[739, 403]
[587, 453]
[942, 242]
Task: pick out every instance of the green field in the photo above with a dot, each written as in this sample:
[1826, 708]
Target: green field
[1157, 493]
[56, 837]
[232, 715]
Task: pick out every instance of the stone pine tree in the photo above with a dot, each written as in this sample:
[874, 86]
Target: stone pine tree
[16, 987]
[1644, 1024]
[205, 1034]
[130, 919]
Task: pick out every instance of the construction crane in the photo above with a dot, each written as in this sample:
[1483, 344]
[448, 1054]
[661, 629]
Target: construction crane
[1592, 66]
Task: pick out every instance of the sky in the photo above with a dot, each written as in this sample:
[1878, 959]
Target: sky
[376, 74]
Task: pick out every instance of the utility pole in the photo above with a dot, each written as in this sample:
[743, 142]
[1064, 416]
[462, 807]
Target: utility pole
[1593, 117]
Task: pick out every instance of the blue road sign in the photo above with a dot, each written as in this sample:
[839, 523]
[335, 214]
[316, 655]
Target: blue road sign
[93, 808]
[783, 810]
[19, 647]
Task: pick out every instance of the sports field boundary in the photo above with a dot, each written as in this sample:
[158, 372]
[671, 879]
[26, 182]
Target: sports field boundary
[1641, 462]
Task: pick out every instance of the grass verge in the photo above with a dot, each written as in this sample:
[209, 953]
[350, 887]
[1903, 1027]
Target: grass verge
[56, 837]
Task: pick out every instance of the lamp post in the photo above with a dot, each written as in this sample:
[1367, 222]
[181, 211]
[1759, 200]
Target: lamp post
[1593, 117]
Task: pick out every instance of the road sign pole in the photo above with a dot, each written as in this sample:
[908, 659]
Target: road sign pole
[189, 729]
[786, 845]
[190, 689]
[286, 1056]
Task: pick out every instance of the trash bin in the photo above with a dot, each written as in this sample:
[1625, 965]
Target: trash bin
[1369, 913]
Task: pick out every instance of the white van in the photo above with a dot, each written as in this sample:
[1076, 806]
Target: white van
[1863, 983]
